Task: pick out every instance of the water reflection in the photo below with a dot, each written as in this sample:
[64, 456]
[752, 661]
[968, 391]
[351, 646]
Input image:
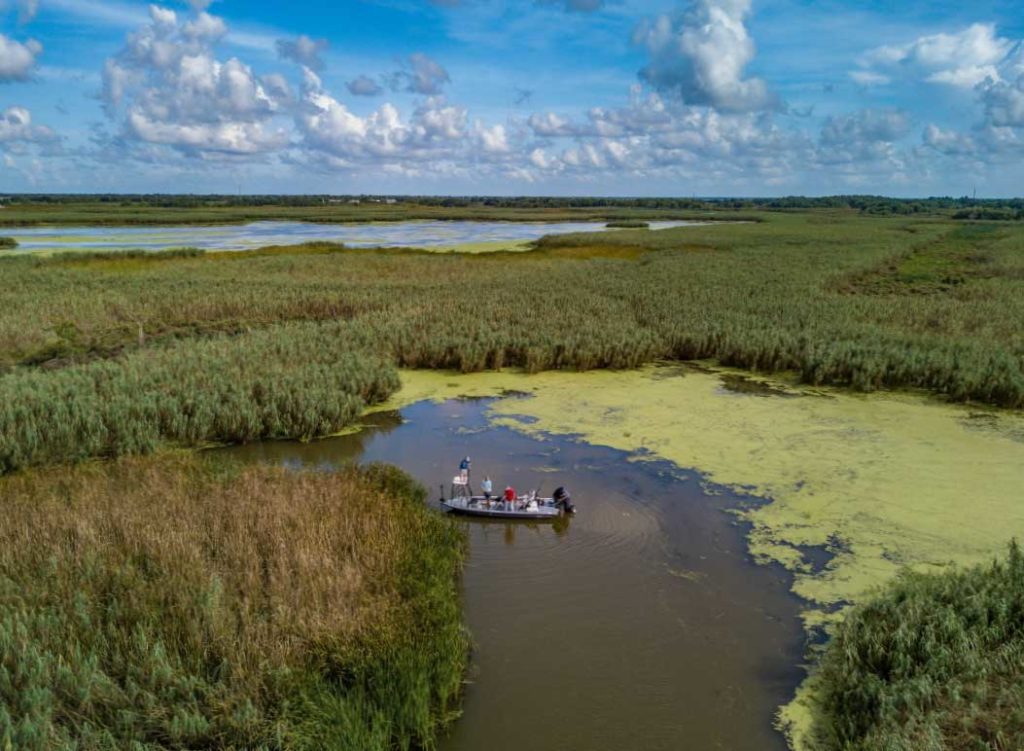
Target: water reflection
[420, 234]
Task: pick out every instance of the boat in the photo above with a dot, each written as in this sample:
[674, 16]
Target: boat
[529, 507]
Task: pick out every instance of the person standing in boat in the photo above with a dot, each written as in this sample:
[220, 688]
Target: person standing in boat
[510, 497]
[487, 487]
[464, 466]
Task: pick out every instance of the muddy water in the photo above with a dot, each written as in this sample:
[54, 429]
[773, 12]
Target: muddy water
[638, 624]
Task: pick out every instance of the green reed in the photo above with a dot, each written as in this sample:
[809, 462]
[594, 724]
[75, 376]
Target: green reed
[933, 662]
[137, 350]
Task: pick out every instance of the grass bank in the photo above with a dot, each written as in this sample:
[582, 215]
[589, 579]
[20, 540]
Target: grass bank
[932, 662]
[169, 603]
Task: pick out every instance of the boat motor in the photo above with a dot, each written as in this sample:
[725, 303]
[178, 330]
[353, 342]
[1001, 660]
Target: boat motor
[563, 501]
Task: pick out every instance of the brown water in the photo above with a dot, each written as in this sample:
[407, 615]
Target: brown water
[639, 624]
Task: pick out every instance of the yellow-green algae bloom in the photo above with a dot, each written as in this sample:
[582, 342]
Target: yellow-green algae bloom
[883, 480]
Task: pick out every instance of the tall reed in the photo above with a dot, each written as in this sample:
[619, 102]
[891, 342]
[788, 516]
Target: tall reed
[934, 661]
[166, 603]
[131, 351]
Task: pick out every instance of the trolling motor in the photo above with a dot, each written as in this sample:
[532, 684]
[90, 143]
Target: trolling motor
[563, 501]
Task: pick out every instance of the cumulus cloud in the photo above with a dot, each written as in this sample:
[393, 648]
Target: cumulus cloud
[492, 139]
[654, 136]
[436, 138]
[17, 59]
[363, 86]
[16, 127]
[999, 130]
[420, 74]
[167, 87]
[961, 59]
[303, 50]
[548, 124]
[866, 126]
[701, 53]
[329, 126]
[948, 142]
[1004, 103]
[864, 138]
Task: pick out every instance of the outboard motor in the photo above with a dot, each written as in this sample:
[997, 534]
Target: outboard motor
[563, 501]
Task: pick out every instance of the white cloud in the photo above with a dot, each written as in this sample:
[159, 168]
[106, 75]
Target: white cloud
[205, 28]
[16, 125]
[999, 131]
[948, 142]
[1004, 103]
[174, 91]
[303, 50]
[420, 75]
[865, 126]
[435, 139]
[17, 59]
[230, 137]
[865, 139]
[701, 54]
[962, 59]
[493, 139]
[363, 86]
[549, 124]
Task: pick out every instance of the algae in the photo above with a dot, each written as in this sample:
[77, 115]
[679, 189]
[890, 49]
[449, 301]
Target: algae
[880, 481]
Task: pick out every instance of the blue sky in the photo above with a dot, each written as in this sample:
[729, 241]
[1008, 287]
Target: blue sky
[607, 97]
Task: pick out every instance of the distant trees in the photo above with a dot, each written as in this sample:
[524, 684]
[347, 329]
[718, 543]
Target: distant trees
[965, 207]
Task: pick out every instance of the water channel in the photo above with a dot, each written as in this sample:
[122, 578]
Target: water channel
[421, 234]
[640, 623]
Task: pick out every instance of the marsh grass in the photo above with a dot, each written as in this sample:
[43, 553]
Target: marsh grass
[277, 383]
[241, 346]
[934, 662]
[169, 603]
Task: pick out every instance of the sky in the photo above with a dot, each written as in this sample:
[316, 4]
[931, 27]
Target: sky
[521, 97]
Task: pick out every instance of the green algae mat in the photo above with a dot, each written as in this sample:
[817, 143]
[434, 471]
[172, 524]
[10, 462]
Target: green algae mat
[882, 481]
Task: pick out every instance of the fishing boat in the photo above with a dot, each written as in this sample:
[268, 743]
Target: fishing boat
[531, 506]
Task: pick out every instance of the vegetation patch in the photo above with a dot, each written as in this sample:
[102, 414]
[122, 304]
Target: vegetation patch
[937, 266]
[628, 224]
[6, 243]
[235, 347]
[279, 383]
[933, 661]
[168, 603]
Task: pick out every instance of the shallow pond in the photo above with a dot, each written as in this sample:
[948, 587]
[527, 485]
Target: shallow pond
[421, 234]
[640, 623]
